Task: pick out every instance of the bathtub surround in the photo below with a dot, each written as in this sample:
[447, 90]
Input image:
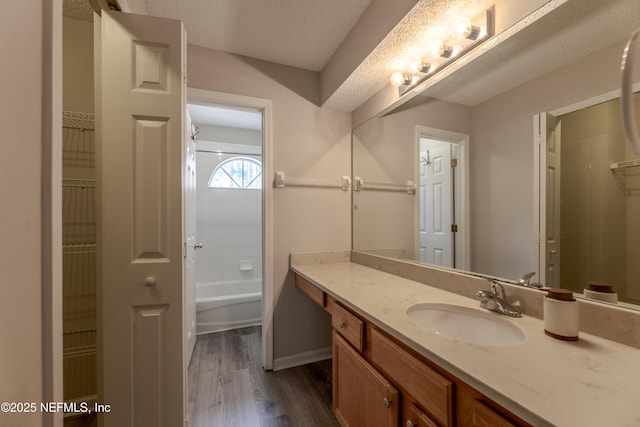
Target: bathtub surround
[228, 224]
[229, 227]
[544, 381]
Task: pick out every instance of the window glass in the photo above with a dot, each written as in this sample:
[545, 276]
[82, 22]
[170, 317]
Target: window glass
[237, 172]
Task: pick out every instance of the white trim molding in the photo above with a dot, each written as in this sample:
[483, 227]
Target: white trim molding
[266, 107]
[302, 358]
[51, 199]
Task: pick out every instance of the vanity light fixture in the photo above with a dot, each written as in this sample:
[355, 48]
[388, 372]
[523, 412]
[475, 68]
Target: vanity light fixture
[464, 35]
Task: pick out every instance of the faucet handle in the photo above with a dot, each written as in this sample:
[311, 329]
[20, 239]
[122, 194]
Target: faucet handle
[496, 288]
[524, 280]
[484, 294]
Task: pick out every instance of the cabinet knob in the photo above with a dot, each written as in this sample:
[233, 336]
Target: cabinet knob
[387, 403]
[341, 324]
[410, 423]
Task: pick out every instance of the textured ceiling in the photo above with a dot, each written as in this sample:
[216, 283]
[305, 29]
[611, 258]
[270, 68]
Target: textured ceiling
[299, 33]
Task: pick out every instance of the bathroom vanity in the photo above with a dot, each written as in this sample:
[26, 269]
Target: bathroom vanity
[388, 369]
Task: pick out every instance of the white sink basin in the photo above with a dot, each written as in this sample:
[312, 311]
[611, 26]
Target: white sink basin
[466, 324]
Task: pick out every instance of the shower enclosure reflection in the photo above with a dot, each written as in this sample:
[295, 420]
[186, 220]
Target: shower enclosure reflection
[599, 202]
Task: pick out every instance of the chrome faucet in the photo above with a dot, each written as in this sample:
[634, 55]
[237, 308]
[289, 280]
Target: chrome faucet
[496, 300]
[524, 281]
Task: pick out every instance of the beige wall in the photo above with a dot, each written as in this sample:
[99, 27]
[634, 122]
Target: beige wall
[24, 82]
[77, 66]
[309, 142]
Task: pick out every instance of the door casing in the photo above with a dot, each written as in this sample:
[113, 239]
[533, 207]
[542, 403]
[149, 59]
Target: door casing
[265, 106]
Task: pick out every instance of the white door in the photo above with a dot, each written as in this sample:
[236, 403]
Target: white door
[140, 111]
[549, 229]
[190, 245]
[436, 210]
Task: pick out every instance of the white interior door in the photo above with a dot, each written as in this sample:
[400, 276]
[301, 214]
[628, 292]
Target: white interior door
[549, 220]
[140, 111]
[436, 207]
[190, 237]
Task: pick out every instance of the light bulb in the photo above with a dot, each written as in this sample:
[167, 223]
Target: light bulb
[418, 66]
[462, 29]
[415, 65]
[398, 79]
[435, 48]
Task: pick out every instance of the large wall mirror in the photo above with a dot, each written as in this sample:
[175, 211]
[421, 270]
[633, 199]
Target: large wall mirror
[449, 176]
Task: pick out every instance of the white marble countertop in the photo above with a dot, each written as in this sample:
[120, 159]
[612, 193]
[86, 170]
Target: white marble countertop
[591, 382]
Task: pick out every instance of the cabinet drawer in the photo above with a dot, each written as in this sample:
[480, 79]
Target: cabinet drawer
[348, 325]
[484, 416]
[414, 417]
[429, 389]
[314, 292]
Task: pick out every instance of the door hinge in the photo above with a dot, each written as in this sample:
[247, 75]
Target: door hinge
[454, 163]
[185, 250]
[454, 228]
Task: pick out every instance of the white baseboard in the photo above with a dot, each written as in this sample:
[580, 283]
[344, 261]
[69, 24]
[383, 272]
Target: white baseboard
[302, 358]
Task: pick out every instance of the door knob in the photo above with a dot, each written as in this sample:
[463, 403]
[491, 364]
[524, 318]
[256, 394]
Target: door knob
[149, 281]
[198, 246]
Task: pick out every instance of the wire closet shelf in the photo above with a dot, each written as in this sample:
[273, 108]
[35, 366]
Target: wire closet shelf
[627, 173]
[79, 257]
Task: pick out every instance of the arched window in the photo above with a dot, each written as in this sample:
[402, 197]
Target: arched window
[238, 173]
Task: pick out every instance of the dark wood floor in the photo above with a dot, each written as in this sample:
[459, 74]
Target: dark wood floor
[228, 387]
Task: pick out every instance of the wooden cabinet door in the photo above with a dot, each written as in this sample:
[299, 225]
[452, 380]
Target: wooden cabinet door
[361, 395]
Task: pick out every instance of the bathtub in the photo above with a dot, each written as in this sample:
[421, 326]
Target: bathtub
[228, 305]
